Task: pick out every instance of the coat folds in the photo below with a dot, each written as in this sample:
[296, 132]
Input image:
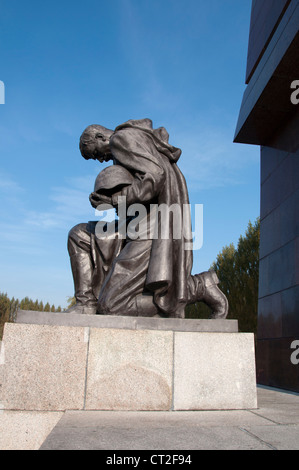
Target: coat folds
[147, 154]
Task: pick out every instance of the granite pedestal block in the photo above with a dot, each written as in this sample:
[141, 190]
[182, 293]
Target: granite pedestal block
[120, 363]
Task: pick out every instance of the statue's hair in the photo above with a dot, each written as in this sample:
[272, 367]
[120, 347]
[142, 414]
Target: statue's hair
[90, 135]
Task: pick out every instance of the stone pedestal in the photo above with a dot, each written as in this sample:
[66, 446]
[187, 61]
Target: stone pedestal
[57, 362]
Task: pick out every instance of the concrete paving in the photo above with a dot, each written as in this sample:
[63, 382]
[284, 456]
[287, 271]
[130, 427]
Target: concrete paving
[273, 426]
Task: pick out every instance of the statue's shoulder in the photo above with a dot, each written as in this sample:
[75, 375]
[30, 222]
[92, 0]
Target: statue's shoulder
[124, 136]
[119, 137]
[145, 124]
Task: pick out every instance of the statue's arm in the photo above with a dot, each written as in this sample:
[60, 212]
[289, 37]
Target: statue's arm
[136, 155]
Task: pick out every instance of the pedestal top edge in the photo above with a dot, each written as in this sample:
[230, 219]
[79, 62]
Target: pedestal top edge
[126, 322]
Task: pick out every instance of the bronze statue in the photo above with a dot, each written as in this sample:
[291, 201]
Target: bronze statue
[119, 274]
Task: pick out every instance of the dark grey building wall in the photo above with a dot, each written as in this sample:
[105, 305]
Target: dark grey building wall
[269, 119]
[265, 17]
[278, 321]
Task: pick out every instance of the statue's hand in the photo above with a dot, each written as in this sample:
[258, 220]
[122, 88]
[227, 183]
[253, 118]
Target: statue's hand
[97, 199]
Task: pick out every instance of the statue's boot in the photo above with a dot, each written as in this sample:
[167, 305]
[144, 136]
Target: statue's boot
[82, 309]
[82, 270]
[205, 289]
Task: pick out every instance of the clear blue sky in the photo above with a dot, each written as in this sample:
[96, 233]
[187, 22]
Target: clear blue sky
[68, 64]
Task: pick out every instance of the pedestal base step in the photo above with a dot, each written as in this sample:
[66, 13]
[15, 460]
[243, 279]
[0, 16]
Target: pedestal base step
[48, 367]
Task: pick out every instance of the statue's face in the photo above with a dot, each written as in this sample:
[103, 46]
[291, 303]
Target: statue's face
[98, 150]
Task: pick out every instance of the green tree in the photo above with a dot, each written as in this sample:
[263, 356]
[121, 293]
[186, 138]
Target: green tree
[25, 304]
[71, 301]
[47, 307]
[14, 306]
[4, 311]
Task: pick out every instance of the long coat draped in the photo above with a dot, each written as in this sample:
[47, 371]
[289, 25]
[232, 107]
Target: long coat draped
[147, 154]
